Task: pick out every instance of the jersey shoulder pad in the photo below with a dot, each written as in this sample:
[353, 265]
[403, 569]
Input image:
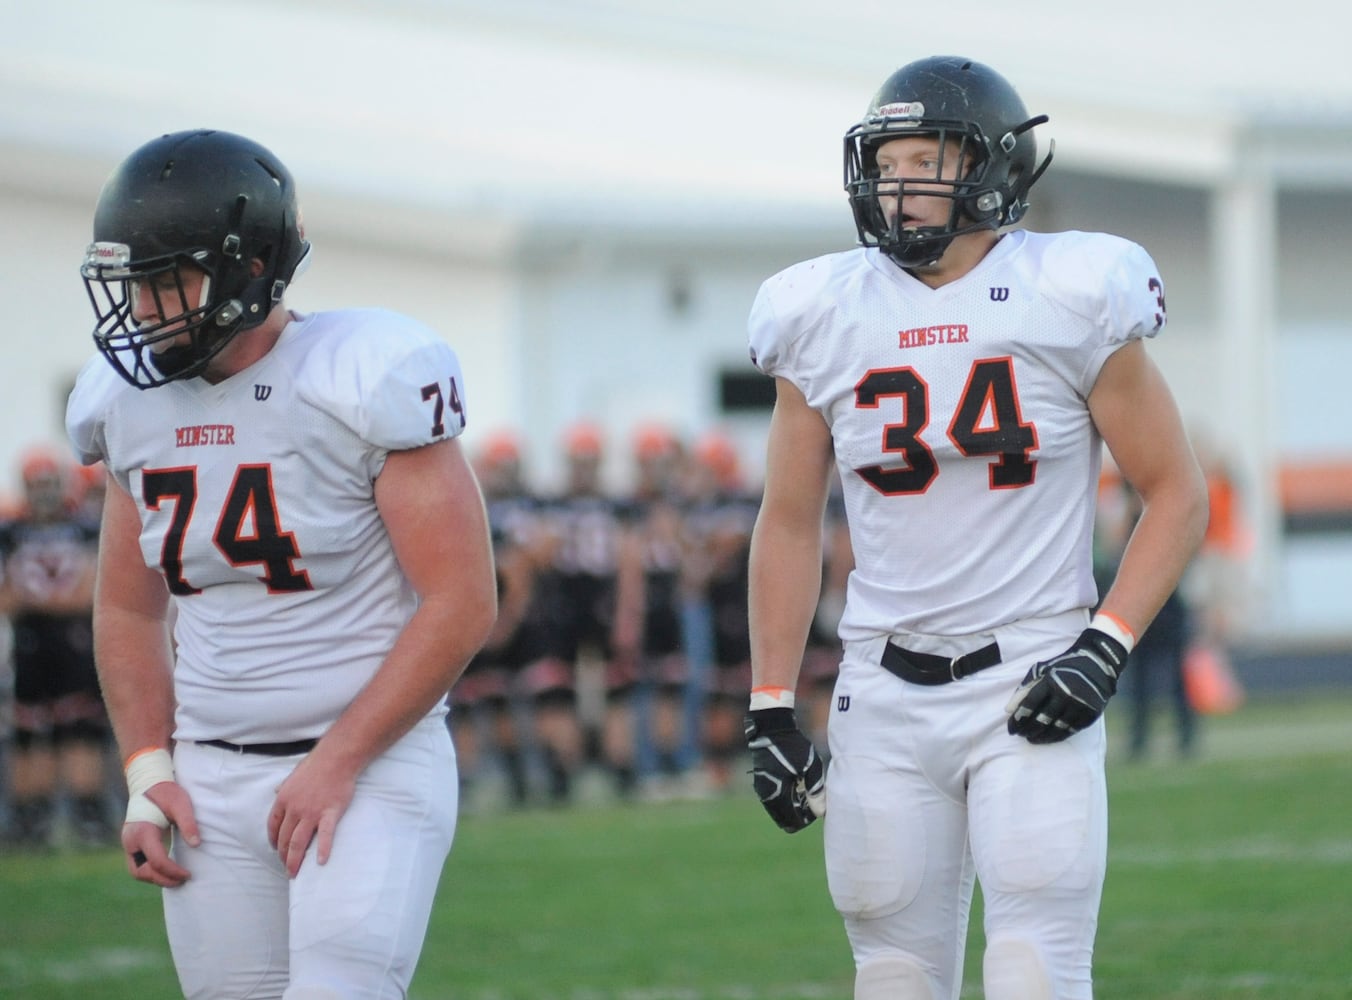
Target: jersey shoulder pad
[1104, 278]
[793, 302]
[393, 381]
[97, 387]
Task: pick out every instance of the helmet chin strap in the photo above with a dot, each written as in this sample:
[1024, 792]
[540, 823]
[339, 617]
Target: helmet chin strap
[931, 243]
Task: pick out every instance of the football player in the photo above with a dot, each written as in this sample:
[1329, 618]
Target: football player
[963, 381]
[291, 484]
[47, 559]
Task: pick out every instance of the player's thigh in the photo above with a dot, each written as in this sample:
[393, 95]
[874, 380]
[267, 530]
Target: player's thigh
[1038, 819]
[897, 863]
[1038, 814]
[359, 920]
[227, 925]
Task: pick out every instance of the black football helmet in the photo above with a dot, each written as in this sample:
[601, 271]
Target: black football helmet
[951, 99]
[211, 201]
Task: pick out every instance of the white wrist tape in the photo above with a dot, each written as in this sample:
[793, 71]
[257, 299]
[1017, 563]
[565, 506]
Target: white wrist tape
[770, 697]
[146, 770]
[1110, 626]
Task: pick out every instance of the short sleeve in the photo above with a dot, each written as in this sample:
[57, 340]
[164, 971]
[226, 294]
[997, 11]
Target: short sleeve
[86, 411]
[390, 379]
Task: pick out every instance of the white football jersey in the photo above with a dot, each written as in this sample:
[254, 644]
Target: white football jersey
[962, 433]
[257, 502]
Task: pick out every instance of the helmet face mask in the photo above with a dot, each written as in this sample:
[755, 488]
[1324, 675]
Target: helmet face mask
[180, 341]
[968, 110]
[204, 228]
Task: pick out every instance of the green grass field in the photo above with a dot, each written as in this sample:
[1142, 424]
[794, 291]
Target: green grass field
[1230, 878]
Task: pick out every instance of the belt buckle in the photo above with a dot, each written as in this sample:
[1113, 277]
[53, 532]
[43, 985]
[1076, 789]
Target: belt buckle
[953, 662]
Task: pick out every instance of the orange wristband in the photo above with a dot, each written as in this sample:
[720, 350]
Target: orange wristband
[1110, 624]
[139, 753]
[771, 696]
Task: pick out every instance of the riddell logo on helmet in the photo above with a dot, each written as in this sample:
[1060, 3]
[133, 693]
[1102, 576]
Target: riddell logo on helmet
[116, 254]
[902, 109]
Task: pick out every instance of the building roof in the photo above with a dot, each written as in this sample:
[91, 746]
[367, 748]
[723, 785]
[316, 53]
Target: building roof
[630, 112]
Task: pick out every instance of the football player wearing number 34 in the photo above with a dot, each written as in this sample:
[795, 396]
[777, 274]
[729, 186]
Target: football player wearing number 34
[289, 491]
[963, 381]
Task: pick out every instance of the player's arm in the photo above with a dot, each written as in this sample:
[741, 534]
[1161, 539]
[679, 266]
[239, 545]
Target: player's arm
[430, 503]
[785, 581]
[131, 648]
[786, 544]
[1134, 410]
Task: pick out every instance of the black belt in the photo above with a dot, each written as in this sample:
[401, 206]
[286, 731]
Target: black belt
[293, 749]
[927, 668]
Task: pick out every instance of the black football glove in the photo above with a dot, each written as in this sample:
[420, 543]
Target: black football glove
[1063, 695]
[788, 776]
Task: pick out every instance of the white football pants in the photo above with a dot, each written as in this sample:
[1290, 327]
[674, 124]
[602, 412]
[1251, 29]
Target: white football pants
[240, 928]
[927, 790]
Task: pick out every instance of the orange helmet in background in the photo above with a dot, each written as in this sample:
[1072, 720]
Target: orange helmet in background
[41, 462]
[716, 452]
[583, 440]
[499, 447]
[654, 441]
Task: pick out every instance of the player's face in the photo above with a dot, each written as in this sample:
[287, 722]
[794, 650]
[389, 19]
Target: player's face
[916, 163]
[165, 294]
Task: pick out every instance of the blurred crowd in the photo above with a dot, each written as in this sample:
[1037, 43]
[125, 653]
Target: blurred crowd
[620, 663]
[619, 667]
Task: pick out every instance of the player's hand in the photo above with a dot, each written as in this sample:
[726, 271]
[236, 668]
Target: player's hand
[1067, 693]
[788, 776]
[144, 840]
[308, 806]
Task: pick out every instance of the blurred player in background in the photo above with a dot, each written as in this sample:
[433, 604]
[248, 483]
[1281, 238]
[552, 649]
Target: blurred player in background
[962, 382]
[292, 485]
[484, 697]
[1156, 661]
[599, 589]
[823, 652]
[48, 553]
[722, 513]
[660, 526]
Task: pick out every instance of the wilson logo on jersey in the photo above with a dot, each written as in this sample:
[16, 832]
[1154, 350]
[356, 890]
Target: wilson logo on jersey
[262, 392]
[926, 336]
[204, 434]
[999, 294]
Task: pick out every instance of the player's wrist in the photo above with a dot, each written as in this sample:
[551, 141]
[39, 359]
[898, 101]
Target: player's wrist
[771, 696]
[145, 769]
[1115, 628]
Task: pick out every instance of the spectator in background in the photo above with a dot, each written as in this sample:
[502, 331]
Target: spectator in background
[663, 543]
[1217, 583]
[1155, 666]
[589, 623]
[483, 697]
[722, 514]
[61, 736]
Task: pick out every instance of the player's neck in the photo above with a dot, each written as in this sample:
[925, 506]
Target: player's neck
[248, 347]
[961, 257]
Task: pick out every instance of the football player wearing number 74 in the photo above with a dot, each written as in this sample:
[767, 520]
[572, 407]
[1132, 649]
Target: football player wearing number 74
[963, 382]
[288, 490]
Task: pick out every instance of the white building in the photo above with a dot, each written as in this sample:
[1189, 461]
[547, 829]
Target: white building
[584, 197]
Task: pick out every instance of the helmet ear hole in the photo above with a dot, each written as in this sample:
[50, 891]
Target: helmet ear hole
[986, 206]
